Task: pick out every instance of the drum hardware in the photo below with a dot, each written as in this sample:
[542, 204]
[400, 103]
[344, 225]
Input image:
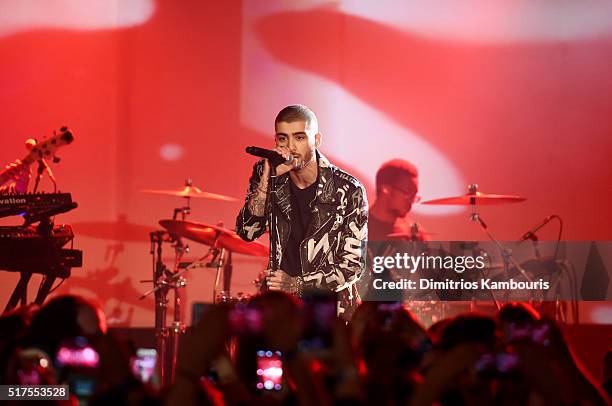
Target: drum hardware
[210, 235]
[165, 280]
[475, 198]
[188, 192]
[222, 243]
[411, 236]
[119, 230]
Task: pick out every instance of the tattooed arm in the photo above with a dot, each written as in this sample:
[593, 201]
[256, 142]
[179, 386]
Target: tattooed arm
[251, 221]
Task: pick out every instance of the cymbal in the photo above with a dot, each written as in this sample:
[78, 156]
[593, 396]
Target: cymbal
[190, 191]
[477, 198]
[221, 237]
[118, 230]
[409, 235]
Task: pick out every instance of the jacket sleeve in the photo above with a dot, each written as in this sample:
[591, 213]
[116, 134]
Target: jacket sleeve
[248, 226]
[349, 247]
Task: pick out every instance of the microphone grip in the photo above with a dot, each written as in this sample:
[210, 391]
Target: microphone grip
[273, 157]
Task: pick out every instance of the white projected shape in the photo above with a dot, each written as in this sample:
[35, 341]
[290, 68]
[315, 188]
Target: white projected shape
[486, 21]
[171, 152]
[354, 133]
[27, 15]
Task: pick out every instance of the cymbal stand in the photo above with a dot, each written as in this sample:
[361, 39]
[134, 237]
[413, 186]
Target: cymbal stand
[164, 279]
[218, 262]
[505, 253]
[178, 282]
[161, 286]
[185, 210]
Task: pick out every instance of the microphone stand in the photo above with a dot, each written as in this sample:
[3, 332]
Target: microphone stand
[505, 253]
[274, 265]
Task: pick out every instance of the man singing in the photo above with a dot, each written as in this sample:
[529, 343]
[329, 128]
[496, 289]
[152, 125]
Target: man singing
[320, 211]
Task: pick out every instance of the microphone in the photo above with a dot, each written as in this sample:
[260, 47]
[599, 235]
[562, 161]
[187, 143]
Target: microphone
[273, 157]
[530, 235]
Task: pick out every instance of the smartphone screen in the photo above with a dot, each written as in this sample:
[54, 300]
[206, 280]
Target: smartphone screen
[269, 370]
[144, 365]
[33, 365]
[507, 363]
[77, 354]
[541, 334]
[78, 362]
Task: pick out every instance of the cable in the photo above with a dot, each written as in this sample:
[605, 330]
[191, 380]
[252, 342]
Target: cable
[559, 236]
[60, 284]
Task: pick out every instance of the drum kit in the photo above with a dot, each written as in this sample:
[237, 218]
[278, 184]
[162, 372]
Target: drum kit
[509, 267]
[222, 243]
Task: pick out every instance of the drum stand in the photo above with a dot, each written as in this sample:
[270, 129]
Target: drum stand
[165, 279]
[505, 253]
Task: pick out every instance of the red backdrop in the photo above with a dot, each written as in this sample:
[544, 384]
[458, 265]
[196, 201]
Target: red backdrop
[514, 98]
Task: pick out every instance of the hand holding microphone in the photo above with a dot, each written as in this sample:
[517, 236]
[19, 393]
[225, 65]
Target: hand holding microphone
[280, 157]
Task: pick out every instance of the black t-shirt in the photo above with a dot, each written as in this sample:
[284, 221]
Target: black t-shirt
[301, 200]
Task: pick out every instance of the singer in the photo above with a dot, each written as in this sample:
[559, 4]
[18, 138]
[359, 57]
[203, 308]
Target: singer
[320, 213]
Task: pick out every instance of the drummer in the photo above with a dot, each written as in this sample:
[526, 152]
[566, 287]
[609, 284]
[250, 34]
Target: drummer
[397, 186]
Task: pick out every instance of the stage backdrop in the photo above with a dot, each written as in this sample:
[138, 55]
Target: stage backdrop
[513, 96]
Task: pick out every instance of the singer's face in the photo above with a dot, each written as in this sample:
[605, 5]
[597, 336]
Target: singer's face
[299, 140]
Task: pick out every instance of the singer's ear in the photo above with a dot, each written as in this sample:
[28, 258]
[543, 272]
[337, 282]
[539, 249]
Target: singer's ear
[318, 137]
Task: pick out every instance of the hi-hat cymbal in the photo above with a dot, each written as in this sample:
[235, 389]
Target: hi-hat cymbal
[477, 198]
[118, 230]
[220, 237]
[190, 191]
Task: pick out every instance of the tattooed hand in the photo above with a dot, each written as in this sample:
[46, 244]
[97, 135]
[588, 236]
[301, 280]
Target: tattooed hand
[279, 280]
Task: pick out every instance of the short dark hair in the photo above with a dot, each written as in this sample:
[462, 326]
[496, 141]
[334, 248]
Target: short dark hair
[391, 171]
[298, 112]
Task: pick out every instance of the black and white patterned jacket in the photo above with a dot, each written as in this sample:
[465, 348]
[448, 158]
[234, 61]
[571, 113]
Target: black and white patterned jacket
[333, 251]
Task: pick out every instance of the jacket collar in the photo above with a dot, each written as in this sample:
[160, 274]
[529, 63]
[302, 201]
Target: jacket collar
[325, 180]
[325, 185]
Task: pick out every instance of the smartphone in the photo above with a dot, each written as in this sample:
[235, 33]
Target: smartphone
[78, 362]
[77, 354]
[144, 366]
[319, 316]
[34, 367]
[507, 363]
[538, 332]
[518, 332]
[269, 370]
[497, 364]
